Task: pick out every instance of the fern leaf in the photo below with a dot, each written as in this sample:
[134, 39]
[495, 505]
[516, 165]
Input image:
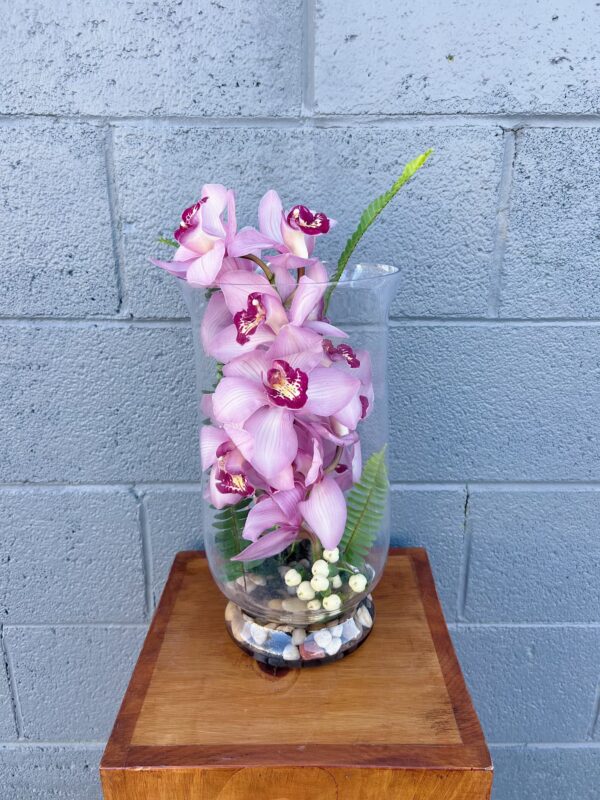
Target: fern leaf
[366, 506]
[165, 240]
[229, 524]
[369, 216]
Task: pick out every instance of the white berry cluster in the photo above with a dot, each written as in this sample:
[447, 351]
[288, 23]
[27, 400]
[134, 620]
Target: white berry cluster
[325, 581]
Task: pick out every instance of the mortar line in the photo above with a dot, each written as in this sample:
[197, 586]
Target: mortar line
[23, 745]
[141, 626]
[463, 578]
[465, 626]
[115, 217]
[594, 725]
[308, 58]
[547, 745]
[12, 686]
[509, 121]
[146, 544]
[502, 221]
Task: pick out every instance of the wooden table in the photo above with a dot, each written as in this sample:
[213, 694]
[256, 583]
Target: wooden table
[202, 721]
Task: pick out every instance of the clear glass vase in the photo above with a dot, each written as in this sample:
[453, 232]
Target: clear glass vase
[307, 605]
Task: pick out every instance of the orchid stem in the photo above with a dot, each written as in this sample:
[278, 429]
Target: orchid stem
[261, 264]
[336, 459]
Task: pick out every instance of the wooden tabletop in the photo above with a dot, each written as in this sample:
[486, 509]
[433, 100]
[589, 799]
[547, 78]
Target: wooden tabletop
[202, 720]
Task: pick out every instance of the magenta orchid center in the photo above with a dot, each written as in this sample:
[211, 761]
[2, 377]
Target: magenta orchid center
[248, 320]
[189, 218]
[341, 352]
[286, 386]
[310, 222]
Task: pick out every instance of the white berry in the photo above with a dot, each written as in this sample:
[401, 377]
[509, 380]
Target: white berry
[320, 567]
[319, 583]
[336, 582]
[358, 583]
[305, 591]
[332, 603]
[333, 556]
[313, 605]
[292, 577]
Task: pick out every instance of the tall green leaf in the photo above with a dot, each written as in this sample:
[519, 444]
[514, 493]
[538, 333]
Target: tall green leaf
[229, 524]
[366, 507]
[369, 216]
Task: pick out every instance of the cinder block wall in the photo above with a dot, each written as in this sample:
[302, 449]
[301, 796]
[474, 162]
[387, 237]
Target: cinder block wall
[112, 116]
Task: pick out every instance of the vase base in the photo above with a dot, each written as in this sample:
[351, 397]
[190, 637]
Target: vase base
[293, 647]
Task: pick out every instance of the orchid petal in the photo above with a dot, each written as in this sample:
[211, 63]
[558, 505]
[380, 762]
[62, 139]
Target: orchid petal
[316, 465]
[235, 399]
[252, 365]
[231, 225]
[237, 285]
[177, 268]
[325, 512]
[351, 414]
[275, 443]
[268, 545]
[213, 208]
[300, 347]
[276, 314]
[225, 346]
[263, 515]
[325, 329]
[210, 440]
[203, 271]
[219, 499]
[287, 502]
[270, 215]
[216, 318]
[241, 439]
[307, 296]
[284, 280]
[329, 390]
[249, 239]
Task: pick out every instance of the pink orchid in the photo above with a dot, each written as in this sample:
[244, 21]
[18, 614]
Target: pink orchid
[292, 233]
[205, 238]
[229, 480]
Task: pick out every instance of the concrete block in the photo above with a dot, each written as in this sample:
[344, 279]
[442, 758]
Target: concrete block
[535, 556]
[452, 58]
[494, 402]
[88, 404]
[439, 231]
[551, 773]
[7, 719]
[433, 519]
[43, 772]
[71, 680]
[179, 57]
[551, 259]
[175, 523]
[55, 221]
[531, 684]
[70, 555]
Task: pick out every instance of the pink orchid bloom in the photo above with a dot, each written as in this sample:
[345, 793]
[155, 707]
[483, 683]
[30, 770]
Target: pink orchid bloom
[292, 233]
[325, 511]
[229, 480]
[204, 238]
[278, 510]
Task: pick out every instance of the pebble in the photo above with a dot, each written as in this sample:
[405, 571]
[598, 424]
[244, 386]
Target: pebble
[275, 604]
[364, 617]
[323, 637]
[336, 630]
[351, 629]
[259, 580]
[333, 646]
[237, 626]
[320, 567]
[298, 635]
[259, 634]
[319, 583]
[294, 604]
[291, 590]
[310, 650]
[246, 584]
[285, 628]
[291, 653]
[231, 611]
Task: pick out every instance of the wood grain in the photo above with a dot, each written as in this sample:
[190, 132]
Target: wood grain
[201, 720]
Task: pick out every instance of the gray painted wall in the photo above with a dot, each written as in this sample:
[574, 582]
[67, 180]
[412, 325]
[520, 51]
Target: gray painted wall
[112, 115]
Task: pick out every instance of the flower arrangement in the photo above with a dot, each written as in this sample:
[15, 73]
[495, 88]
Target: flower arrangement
[281, 444]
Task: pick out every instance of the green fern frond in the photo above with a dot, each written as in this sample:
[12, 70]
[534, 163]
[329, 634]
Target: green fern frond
[366, 508]
[165, 240]
[229, 525]
[369, 216]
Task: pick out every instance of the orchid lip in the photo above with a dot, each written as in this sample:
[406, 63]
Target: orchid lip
[189, 218]
[342, 351]
[286, 386]
[364, 402]
[248, 320]
[228, 483]
[309, 222]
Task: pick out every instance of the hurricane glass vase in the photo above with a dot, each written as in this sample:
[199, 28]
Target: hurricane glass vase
[307, 605]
